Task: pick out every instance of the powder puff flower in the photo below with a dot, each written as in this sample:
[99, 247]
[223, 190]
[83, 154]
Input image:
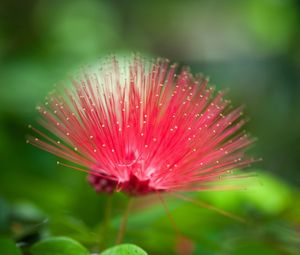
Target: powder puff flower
[138, 127]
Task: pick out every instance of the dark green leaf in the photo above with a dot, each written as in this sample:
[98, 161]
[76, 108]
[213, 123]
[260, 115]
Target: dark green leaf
[4, 215]
[8, 247]
[59, 246]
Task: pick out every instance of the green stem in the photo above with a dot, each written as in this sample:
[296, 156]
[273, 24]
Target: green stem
[106, 222]
[123, 224]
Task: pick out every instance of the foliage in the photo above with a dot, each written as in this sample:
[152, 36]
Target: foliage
[124, 249]
[58, 246]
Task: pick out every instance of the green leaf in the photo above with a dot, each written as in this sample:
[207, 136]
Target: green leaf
[58, 246]
[9, 247]
[272, 197]
[124, 249]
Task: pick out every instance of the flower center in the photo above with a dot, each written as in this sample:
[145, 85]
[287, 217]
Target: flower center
[135, 179]
[132, 187]
[136, 187]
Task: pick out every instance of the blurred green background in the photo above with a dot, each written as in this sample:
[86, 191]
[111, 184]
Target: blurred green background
[251, 47]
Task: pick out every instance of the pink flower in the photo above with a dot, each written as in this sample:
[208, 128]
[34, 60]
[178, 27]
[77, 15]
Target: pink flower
[138, 127]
